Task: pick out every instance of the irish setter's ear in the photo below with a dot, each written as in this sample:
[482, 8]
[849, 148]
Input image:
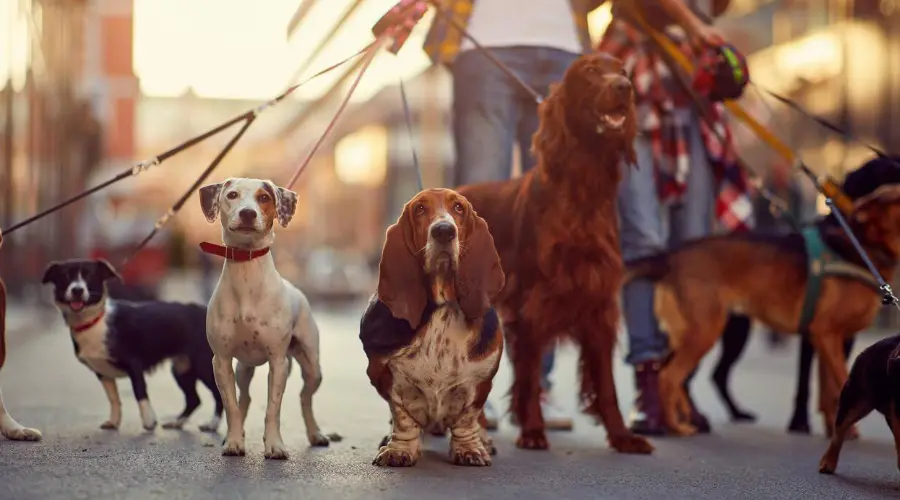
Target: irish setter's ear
[401, 279]
[480, 277]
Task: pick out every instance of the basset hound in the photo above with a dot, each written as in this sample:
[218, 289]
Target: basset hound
[433, 339]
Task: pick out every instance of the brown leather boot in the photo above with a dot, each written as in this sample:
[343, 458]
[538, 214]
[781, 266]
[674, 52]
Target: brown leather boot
[646, 414]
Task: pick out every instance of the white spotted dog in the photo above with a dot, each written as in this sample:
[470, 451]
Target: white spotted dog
[255, 315]
[433, 340]
[9, 428]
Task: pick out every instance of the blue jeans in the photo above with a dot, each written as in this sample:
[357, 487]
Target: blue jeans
[648, 227]
[491, 113]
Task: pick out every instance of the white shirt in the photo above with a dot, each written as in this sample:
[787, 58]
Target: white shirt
[534, 23]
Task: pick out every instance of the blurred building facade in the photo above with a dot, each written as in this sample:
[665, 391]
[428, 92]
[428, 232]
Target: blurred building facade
[73, 115]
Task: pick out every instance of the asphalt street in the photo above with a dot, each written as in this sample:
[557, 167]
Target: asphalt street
[45, 387]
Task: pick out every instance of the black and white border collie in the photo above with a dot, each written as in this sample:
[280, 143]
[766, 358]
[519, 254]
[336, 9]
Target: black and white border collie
[117, 339]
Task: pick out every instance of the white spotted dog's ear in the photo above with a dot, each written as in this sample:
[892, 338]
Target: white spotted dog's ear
[209, 201]
[285, 205]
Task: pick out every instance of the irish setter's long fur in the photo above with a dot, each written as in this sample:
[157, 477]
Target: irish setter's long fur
[555, 229]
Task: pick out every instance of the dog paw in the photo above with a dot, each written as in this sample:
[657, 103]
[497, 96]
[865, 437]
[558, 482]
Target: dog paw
[683, 429]
[177, 424]
[384, 442]
[109, 426]
[631, 443]
[276, 451]
[318, 439]
[532, 440]
[488, 443]
[211, 426]
[393, 457]
[22, 434]
[149, 425]
[827, 465]
[476, 456]
[233, 448]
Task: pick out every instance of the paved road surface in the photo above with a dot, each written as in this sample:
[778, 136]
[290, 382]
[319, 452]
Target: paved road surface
[46, 387]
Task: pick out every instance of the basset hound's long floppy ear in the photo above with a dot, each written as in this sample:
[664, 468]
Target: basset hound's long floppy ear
[401, 278]
[480, 277]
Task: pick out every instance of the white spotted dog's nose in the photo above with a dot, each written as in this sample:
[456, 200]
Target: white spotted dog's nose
[247, 215]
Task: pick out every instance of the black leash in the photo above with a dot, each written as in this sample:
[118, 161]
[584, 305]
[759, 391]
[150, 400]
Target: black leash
[196, 185]
[826, 124]
[147, 164]
[412, 145]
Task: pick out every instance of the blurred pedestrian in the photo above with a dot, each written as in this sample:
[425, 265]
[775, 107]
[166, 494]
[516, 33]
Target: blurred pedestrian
[492, 114]
[685, 181]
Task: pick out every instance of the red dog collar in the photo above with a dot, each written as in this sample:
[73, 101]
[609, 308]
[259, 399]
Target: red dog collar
[231, 253]
[84, 326]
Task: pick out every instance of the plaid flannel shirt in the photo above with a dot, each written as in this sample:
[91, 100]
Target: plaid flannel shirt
[657, 95]
[443, 41]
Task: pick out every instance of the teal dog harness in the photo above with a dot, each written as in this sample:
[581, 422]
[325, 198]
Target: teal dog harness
[823, 262]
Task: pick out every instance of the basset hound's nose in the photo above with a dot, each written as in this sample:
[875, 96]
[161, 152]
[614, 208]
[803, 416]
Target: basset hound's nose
[247, 215]
[443, 232]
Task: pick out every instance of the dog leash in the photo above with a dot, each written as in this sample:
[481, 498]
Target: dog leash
[831, 194]
[159, 159]
[369, 53]
[409, 130]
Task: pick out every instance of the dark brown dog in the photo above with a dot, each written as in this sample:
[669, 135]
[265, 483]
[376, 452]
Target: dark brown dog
[765, 276]
[873, 384]
[555, 229]
[432, 338]
[9, 428]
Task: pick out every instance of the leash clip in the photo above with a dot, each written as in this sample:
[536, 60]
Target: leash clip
[144, 166]
[888, 296]
[164, 219]
[264, 106]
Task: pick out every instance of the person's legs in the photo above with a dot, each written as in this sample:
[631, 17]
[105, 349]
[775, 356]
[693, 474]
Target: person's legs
[641, 235]
[485, 112]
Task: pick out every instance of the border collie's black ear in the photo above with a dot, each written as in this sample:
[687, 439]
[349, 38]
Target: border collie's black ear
[106, 270]
[51, 273]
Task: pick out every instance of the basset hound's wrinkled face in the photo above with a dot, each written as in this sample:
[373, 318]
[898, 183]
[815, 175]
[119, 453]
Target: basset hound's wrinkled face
[248, 209]
[438, 237]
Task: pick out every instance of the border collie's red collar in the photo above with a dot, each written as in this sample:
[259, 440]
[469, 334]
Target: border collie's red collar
[231, 253]
[84, 326]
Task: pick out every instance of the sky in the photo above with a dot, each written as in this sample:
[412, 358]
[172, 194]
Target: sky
[239, 49]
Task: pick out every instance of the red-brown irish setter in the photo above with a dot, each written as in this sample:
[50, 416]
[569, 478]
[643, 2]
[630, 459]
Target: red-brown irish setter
[556, 232]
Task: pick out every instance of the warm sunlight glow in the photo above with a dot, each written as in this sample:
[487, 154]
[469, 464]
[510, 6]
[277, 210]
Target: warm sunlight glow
[14, 43]
[598, 20]
[237, 49]
[361, 157]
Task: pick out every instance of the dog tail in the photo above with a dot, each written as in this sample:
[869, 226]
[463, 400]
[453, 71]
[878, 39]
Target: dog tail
[653, 268]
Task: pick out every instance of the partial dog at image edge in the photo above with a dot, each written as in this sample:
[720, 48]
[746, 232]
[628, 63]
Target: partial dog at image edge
[9, 428]
[555, 230]
[812, 281]
[873, 384]
[432, 337]
[117, 338]
[255, 315]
